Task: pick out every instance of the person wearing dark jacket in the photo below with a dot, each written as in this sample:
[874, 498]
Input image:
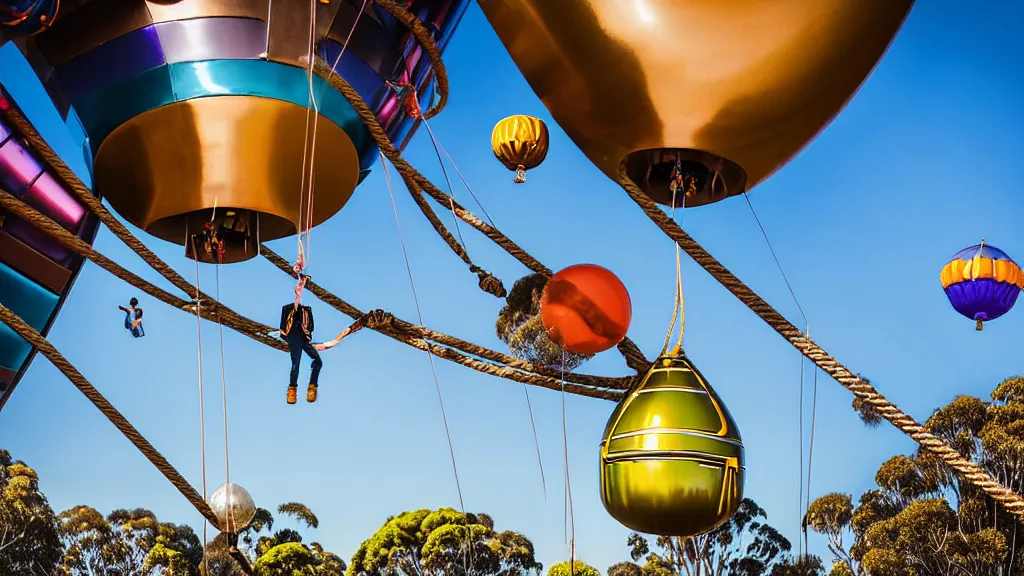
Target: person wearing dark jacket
[297, 331]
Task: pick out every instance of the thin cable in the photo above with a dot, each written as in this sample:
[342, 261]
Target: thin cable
[792, 293]
[800, 477]
[466, 184]
[430, 355]
[451, 191]
[678, 308]
[536, 443]
[223, 389]
[202, 401]
[775, 256]
[307, 187]
[307, 177]
[810, 449]
[568, 482]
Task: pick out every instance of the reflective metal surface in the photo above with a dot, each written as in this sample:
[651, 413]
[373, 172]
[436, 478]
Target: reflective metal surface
[671, 455]
[750, 82]
[166, 169]
[233, 507]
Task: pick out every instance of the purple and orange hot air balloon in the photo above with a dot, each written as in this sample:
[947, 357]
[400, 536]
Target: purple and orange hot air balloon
[982, 282]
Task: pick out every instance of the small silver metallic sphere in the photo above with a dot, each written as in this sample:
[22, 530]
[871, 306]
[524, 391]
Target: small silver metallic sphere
[233, 507]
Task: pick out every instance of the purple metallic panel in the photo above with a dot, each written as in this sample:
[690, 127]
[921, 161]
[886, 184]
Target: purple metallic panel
[37, 240]
[132, 53]
[22, 175]
[163, 43]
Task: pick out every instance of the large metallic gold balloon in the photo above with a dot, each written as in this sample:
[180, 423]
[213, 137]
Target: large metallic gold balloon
[520, 143]
[672, 456]
[233, 507]
[714, 92]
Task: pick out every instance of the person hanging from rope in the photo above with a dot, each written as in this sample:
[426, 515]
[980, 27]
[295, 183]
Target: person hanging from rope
[212, 243]
[133, 318]
[297, 330]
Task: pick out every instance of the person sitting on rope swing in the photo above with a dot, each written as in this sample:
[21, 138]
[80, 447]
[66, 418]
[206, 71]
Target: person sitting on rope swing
[133, 318]
[297, 331]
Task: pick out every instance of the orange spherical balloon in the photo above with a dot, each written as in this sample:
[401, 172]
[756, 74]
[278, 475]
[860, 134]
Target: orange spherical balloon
[585, 309]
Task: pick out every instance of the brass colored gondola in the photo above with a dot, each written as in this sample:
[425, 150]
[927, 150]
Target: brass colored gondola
[672, 456]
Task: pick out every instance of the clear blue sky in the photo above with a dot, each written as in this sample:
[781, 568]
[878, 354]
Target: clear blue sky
[921, 164]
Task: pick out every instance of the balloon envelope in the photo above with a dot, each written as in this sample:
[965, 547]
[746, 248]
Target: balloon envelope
[982, 282]
[585, 309]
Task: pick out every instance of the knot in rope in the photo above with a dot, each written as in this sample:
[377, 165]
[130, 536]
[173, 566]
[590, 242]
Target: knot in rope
[488, 282]
[376, 319]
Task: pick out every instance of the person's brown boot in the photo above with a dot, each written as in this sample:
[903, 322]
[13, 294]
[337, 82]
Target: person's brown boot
[311, 393]
[292, 395]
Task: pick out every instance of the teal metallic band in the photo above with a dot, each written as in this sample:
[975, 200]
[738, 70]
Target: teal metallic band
[103, 110]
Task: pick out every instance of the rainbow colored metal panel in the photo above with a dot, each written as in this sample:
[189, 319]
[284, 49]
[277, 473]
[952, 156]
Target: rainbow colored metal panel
[36, 273]
[128, 79]
[672, 456]
[982, 283]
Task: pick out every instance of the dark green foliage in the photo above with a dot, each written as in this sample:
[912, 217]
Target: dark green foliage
[519, 325]
[443, 542]
[625, 569]
[29, 541]
[744, 546]
[922, 519]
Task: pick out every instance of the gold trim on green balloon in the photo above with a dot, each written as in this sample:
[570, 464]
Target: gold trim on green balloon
[671, 457]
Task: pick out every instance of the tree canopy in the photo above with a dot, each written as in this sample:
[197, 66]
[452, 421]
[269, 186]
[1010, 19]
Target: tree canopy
[922, 520]
[577, 569]
[443, 542]
[29, 541]
[745, 545]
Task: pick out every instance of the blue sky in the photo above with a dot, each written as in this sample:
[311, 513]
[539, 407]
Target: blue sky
[923, 162]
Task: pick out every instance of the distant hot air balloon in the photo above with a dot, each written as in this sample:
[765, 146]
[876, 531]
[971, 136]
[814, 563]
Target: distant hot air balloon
[671, 455]
[197, 105]
[585, 309]
[982, 282]
[742, 89]
[520, 143]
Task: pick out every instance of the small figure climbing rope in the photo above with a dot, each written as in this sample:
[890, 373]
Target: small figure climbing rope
[297, 331]
[133, 318]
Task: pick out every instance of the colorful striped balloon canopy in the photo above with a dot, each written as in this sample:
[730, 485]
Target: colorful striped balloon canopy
[982, 282]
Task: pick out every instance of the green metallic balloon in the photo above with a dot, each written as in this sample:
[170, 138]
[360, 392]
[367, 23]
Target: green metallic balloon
[672, 456]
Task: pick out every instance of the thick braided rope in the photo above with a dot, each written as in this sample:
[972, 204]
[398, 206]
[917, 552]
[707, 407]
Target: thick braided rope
[487, 281]
[256, 330]
[116, 418]
[82, 192]
[211, 307]
[635, 358]
[442, 346]
[426, 40]
[208, 311]
[243, 325]
[1011, 501]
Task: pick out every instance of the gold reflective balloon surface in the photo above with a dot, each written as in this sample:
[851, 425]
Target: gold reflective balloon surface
[672, 456]
[741, 84]
[166, 169]
[520, 143]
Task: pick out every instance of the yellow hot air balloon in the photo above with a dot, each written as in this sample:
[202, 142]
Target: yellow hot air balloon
[672, 456]
[520, 143]
[722, 92]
